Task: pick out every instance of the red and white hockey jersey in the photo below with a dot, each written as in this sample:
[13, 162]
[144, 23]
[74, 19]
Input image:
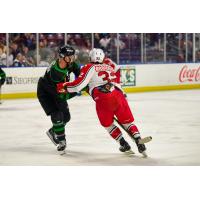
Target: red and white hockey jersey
[95, 75]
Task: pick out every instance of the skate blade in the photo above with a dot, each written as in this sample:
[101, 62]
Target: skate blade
[144, 154]
[130, 152]
[145, 140]
[50, 137]
[62, 152]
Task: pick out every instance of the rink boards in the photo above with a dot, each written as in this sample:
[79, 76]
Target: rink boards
[22, 82]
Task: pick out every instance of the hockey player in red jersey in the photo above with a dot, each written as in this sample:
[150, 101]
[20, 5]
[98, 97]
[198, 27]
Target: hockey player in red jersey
[101, 77]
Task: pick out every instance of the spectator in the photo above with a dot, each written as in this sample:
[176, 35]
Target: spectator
[180, 58]
[2, 38]
[88, 43]
[42, 63]
[19, 61]
[96, 40]
[28, 56]
[14, 49]
[104, 42]
[2, 56]
[119, 42]
[29, 40]
[60, 39]
[198, 56]
[45, 52]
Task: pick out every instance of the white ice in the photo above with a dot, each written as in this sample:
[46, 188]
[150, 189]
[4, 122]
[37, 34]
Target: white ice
[172, 118]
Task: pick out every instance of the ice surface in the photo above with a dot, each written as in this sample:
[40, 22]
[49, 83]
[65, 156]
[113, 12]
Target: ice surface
[172, 118]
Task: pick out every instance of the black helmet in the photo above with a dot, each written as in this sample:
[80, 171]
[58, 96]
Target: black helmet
[66, 50]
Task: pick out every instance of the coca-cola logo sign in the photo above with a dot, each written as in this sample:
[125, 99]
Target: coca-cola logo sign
[189, 74]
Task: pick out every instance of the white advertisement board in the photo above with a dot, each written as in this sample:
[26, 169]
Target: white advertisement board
[167, 74]
[24, 80]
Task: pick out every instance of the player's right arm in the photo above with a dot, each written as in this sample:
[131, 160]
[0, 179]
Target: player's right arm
[78, 84]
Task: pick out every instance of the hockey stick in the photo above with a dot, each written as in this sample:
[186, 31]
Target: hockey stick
[141, 141]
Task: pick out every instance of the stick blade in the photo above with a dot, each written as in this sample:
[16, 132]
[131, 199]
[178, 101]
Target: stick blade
[145, 140]
[129, 152]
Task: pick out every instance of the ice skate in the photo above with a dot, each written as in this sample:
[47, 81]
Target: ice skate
[140, 145]
[61, 147]
[52, 136]
[125, 147]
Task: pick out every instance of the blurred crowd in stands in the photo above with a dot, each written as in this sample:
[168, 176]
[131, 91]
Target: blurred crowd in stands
[22, 49]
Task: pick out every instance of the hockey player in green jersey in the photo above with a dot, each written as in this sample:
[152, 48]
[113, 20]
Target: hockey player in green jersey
[2, 79]
[54, 104]
[2, 76]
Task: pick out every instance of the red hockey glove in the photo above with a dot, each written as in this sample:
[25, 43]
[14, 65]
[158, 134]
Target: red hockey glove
[61, 88]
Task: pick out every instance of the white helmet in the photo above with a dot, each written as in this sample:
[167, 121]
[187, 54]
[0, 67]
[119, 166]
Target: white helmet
[96, 55]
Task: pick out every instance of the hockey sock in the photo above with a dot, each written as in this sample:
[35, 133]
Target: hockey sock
[59, 130]
[58, 125]
[114, 132]
[132, 129]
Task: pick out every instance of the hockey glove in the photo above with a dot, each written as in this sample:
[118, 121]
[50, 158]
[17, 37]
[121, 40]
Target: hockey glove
[61, 88]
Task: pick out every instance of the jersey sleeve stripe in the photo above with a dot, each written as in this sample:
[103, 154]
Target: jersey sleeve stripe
[79, 80]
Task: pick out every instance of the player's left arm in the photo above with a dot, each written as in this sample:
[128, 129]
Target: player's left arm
[117, 72]
[116, 68]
